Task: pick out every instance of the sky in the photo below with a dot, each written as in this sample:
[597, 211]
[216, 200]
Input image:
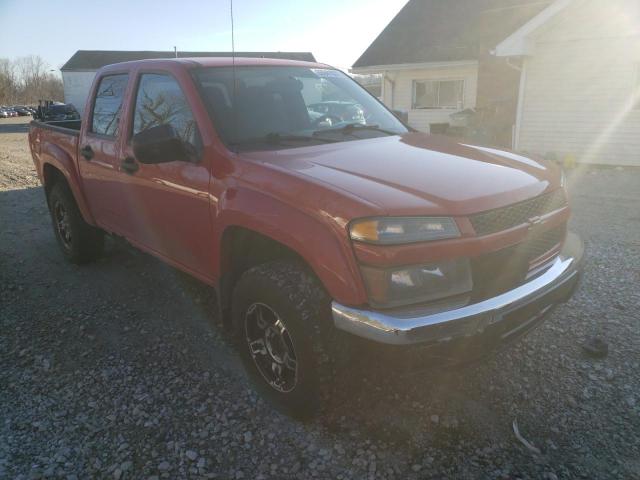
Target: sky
[335, 31]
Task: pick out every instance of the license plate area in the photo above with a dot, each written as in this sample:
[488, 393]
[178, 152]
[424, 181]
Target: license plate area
[519, 319]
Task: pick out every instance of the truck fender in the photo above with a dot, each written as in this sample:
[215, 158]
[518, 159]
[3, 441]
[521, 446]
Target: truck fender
[60, 160]
[316, 239]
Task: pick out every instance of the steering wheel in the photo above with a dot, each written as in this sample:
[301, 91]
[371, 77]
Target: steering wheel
[327, 117]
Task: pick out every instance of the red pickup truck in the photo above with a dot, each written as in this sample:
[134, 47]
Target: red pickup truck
[322, 221]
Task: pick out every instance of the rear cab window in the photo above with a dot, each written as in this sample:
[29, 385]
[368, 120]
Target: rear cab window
[107, 106]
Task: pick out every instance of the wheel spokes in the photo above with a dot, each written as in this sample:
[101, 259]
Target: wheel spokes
[62, 223]
[277, 369]
[258, 347]
[271, 347]
[290, 362]
[261, 323]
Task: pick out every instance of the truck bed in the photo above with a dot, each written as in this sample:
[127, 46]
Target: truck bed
[72, 127]
[55, 140]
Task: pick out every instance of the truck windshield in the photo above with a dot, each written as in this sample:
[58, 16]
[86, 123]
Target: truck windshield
[286, 107]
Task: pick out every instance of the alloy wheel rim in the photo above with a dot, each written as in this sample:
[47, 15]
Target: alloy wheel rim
[271, 347]
[62, 224]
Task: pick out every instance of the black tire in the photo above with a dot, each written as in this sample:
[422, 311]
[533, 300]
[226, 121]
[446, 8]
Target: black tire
[297, 298]
[79, 241]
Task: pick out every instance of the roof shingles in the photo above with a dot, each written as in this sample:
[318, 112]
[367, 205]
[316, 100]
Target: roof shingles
[447, 30]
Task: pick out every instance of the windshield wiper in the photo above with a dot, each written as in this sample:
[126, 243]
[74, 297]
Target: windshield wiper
[278, 138]
[352, 127]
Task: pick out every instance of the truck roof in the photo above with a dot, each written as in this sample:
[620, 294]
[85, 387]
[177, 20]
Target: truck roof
[194, 62]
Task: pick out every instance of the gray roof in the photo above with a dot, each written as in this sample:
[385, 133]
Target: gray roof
[448, 30]
[84, 60]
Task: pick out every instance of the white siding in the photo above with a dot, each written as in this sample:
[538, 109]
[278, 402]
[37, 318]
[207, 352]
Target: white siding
[76, 88]
[580, 84]
[403, 92]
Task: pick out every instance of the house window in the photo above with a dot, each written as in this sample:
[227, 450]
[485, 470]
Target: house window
[438, 94]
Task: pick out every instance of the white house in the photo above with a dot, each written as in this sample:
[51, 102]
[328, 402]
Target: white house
[79, 71]
[555, 78]
[580, 84]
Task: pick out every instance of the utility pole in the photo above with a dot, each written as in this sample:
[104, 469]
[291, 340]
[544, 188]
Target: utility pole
[175, 51]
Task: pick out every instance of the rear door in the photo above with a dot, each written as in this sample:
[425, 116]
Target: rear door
[99, 151]
[167, 205]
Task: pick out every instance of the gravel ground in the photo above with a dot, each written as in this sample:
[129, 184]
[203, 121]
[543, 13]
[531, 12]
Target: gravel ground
[115, 370]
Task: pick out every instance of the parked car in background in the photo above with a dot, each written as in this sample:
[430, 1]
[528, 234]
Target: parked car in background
[57, 112]
[62, 112]
[326, 237]
[4, 114]
[336, 111]
[23, 112]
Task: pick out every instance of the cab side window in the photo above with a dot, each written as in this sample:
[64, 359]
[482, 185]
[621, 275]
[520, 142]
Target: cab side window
[160, 101]
[107, 106]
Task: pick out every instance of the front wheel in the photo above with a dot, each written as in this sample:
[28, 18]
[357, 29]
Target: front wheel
[280, 315]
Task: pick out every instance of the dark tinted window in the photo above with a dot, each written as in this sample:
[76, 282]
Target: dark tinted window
[160, 101]
[108, 104]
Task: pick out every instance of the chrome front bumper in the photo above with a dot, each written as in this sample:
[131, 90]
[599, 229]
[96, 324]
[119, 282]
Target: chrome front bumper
[532, 300]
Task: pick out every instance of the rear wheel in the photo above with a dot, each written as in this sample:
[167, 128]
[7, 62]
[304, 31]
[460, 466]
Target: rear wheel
[79, 241]
[280, 315]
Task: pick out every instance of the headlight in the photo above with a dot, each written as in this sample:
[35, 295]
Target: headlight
[415, 284]
[398, 230]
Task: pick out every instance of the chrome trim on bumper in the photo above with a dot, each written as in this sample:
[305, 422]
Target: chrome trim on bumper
[398, 329]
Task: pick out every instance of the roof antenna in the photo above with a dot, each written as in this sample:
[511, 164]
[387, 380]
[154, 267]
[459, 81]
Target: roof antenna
[233, 74]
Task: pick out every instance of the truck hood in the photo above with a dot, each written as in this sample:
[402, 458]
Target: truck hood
[419, 174]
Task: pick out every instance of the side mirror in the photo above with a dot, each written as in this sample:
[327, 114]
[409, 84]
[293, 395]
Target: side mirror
[159, 144]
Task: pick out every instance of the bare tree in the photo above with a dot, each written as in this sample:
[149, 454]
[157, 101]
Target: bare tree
[8, 81]
[27, 80]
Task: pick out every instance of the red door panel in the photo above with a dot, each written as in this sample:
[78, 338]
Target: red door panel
[99, 152]
[166, 206]
[98, 176]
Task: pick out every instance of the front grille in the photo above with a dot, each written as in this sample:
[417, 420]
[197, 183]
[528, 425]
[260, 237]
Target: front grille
[539, 244]
[497, 272]
[503, 218]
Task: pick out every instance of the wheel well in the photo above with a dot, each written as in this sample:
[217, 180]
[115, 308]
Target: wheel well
[242, 249]
[51, 176]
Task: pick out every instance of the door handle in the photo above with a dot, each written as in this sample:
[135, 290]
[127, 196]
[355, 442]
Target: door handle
[87, 152]
[129, 165]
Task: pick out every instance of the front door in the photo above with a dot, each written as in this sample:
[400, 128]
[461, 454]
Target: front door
[167, 204]
[99, 152]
